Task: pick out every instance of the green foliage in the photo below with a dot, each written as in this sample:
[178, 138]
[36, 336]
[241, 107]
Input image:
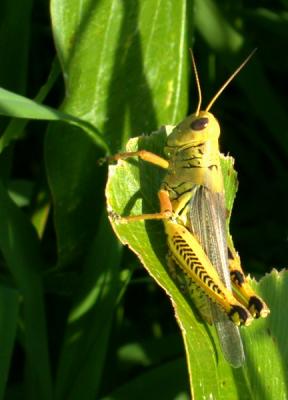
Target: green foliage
[79, 316]
[208, 370]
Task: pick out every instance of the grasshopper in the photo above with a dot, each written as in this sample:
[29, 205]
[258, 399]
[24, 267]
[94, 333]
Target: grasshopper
[192, 208]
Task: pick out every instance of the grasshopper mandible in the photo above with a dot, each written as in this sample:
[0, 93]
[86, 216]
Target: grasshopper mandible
[192, 208]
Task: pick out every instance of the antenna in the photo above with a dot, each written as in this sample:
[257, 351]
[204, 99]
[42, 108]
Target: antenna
[229, 80]
[197, 83]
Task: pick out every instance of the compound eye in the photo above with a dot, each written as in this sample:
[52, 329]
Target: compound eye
[199, 124]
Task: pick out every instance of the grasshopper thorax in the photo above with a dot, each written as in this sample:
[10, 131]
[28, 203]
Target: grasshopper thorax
[194, 130]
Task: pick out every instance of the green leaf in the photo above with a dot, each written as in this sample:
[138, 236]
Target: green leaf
[150, 352]
[9, 306]
[90, 319]
[266, 341]
[132, 190]
[15, 128]
[167, 381]
[21, 251]
[14, 105]
[20, 192]
[117, 78]
[126, 62]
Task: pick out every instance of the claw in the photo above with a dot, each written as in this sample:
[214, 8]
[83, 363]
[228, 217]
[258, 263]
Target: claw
[110, 159]
[104, 160]
[116, 217]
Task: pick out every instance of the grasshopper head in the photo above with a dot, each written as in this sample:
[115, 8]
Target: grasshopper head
[201, 126]
[195, 129]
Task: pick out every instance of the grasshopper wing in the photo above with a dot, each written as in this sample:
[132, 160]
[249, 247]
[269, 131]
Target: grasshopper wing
[207, 222]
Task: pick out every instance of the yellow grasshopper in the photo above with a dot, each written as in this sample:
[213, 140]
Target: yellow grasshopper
[192, 208]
